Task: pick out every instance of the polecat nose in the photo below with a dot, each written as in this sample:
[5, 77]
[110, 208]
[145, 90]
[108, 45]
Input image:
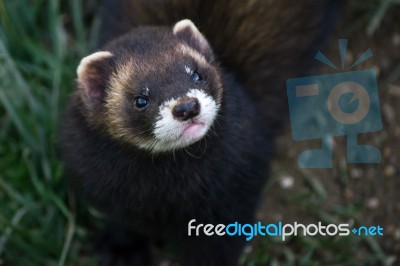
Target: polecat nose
[186, 108]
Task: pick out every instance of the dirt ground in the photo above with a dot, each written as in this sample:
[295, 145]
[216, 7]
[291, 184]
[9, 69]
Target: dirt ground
[353, 193]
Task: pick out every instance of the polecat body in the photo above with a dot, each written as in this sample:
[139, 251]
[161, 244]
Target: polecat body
[157, 133]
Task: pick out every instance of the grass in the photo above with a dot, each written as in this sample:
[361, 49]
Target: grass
[38, 56]
[41, 43]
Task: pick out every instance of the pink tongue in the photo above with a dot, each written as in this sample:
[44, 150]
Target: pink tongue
[192, 130]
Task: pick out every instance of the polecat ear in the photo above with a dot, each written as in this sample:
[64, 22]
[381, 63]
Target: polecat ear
[187, 31]
[93, 73]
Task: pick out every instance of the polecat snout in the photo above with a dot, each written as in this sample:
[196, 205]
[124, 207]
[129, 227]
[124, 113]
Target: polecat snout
[158, 90]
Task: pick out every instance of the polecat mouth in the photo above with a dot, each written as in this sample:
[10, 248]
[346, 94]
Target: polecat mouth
[178, 129]
[193, 130]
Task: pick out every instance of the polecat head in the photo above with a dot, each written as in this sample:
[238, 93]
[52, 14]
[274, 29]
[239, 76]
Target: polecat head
[155, 88]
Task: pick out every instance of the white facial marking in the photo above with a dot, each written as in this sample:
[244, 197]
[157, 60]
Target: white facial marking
[188, 70]
[198, 57]
[171, 134]
[119, 80]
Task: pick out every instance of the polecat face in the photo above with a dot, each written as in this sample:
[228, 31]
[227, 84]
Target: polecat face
[155, 88]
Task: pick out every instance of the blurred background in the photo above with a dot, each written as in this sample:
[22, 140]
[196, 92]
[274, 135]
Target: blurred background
[41, 43]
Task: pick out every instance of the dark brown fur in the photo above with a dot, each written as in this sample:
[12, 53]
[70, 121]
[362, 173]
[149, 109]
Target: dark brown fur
[257, 45]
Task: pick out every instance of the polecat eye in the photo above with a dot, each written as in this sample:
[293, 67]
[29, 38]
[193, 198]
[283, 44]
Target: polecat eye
[141, 101]
[196, 77]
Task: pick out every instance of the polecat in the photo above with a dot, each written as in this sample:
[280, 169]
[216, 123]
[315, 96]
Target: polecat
[160, 130]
